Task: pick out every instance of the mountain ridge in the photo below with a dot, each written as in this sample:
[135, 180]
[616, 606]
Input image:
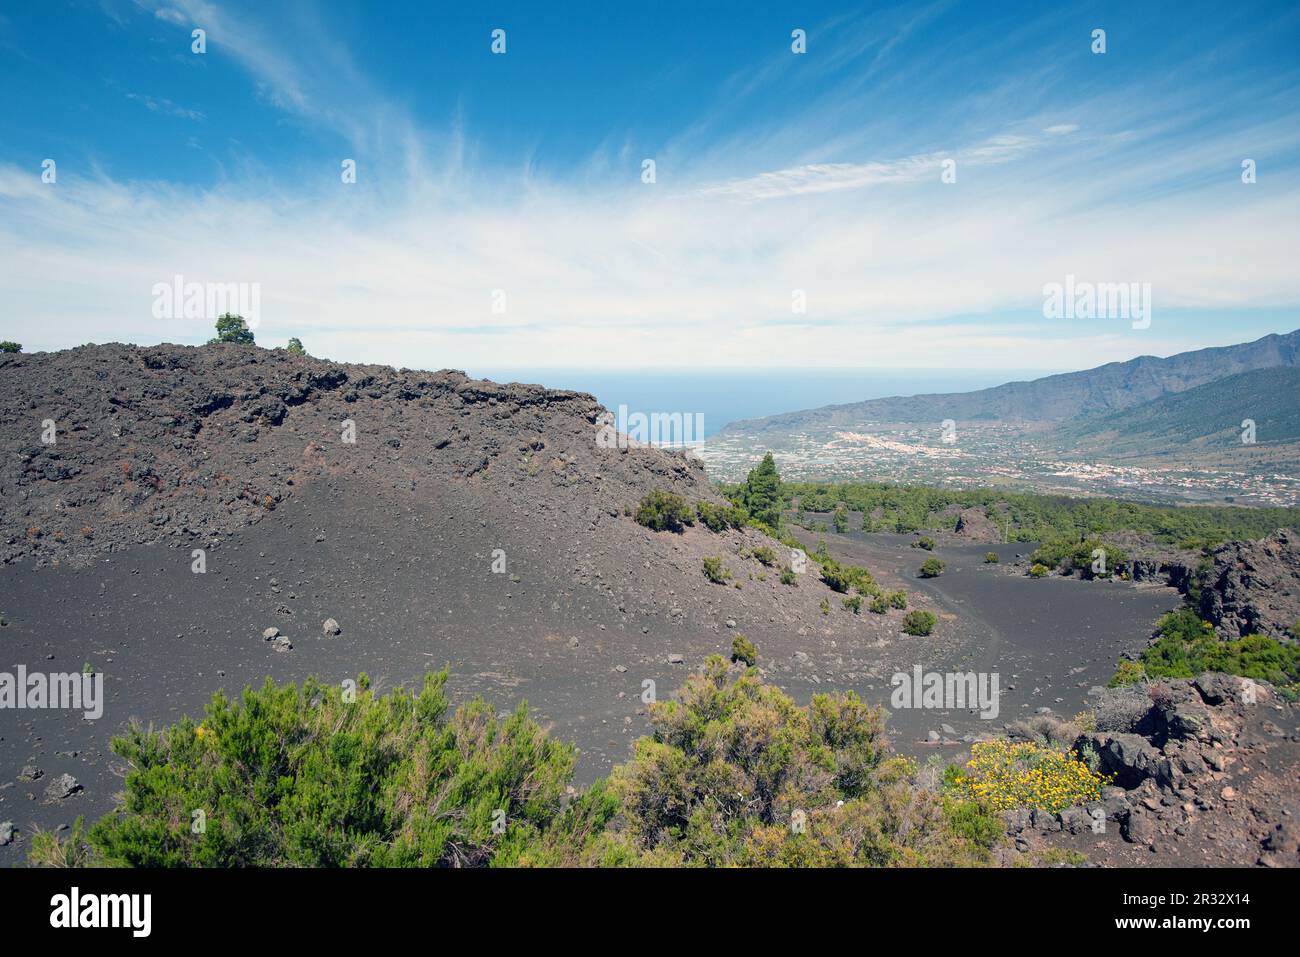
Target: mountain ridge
[1057, 398]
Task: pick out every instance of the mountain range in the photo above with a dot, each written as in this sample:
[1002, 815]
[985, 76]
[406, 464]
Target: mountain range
[1088, 394]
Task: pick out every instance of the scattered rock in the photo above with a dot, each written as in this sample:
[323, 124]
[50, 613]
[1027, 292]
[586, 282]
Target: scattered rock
[330, 627]
[65, 785]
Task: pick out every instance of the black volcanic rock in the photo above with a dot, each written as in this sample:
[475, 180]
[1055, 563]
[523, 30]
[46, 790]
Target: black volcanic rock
[1254, 587]
[176, 441]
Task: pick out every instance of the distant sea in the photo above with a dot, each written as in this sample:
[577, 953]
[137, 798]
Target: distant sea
[728, 395]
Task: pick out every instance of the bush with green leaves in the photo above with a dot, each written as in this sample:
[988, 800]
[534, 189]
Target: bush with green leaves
[765, 555]
[312, 777]
[295, 347]
[232, 328]
[853, 603]
[719, 518]
[842, 578]
[931, 568]
[919, 622]
[1038, 571]
[8, 346]
[840, 519]
[714, 571]
[1074, 555]
[732, 761]
[662, 511]
[897, 599]
[880, 605]
[925, 541]
[788, 577]
[991, 558]
[294, 777]
[1127, 673]
[743, 650]
[1185, 646]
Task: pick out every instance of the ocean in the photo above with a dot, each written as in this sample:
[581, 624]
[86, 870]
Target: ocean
[728, 395]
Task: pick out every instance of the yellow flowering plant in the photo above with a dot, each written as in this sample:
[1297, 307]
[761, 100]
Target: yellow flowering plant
[1009, 774]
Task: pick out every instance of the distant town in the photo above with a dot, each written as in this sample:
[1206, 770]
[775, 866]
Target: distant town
[990, 456]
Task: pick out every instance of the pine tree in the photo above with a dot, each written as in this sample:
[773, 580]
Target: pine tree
[762, 493]
[232, 328]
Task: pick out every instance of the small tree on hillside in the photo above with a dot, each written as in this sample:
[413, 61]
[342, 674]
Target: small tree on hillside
[295, 346]
[761, 493]
[232, 328]
[8, 346]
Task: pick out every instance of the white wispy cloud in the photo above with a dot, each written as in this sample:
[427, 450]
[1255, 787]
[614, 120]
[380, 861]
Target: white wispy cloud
[160, 104]
[898, 268]
[833, 177]
[637, 275]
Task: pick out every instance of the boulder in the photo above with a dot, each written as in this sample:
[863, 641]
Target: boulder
[63, 786]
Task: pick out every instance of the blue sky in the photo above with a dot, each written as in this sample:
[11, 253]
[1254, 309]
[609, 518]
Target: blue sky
[500, 218]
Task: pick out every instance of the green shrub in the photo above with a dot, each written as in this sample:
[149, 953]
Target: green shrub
[919, 622]
[1038, 571]
[765, 555]
[853, 603]
[925, 541]
[74, 851]
[788, 577]
[897, 599]
[714, 571]
[1186, 646]
[840, 519]
[311, 777]
[1074, 555]
[291, 777]
[880, 605]
[719, 518]
[743, 650]
[8, 346]
[1127, 673]
[295, 347]
[662, 511]
[841, 578]
[681, 804]
[931, 568]
[991, 558]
